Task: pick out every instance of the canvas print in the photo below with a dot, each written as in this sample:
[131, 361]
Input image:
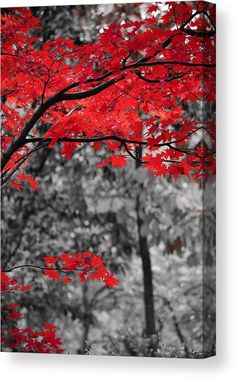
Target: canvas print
[108, 179]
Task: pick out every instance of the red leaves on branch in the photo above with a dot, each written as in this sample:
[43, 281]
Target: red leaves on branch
[27, 340]
[86, 265]
[24, 339]
[24, 287]
[52, 274]
[9, 284]
[152, 8]
[13, 305]
[14, 315]
[115, 160]
[17, 183]
[118, 161]
[68, 149]
[141, 70]
[50, 260]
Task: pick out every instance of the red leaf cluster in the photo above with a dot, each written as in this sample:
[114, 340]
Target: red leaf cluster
[9, 284]
[27, 340]
[86, 265]
[24, 340]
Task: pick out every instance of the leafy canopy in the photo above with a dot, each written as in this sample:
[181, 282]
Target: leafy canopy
[125, 90]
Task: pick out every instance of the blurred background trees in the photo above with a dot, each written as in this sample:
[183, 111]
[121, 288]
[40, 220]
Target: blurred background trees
[79, 207]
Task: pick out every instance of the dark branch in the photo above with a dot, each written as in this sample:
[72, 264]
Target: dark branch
[170, 63]
[88, 139]
[20, 162]
[169, 79]
[38, 268]
[199, 33]
[131, 154]
[60, 96]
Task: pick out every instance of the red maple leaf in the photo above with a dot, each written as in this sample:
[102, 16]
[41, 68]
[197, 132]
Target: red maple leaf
[152, 8]
[66, 280]
[49, 326]
[111, 281]
[14, 315]
[52, 274]
[50, 260]
[118, 160]
[24, 287]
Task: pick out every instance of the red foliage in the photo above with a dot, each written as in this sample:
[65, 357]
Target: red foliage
[15, 338]
[27, 340]
[142, 65]
[86, 264]
[9, 284]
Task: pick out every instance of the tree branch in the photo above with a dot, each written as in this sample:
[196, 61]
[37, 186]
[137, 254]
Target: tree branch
[60, 96]
[175, 322]
[132, 155]
[20, 162]
[163, 62]
[38, 268]
[169, 79]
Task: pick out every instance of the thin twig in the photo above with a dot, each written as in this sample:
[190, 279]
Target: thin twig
[20, 162]
[113, 343]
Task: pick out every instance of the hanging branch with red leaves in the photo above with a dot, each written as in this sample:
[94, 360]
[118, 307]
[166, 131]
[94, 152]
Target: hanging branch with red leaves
[96, 92]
